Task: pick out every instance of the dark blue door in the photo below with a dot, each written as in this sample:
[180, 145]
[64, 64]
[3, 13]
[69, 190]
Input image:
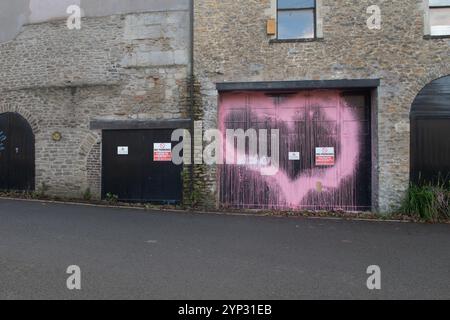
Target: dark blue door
[17, 159]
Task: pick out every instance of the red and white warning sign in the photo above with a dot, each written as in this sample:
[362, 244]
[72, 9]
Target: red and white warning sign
[162, 152]
[325, 157]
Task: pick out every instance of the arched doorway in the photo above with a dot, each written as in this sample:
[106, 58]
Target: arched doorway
[17, 167]
[430, 133]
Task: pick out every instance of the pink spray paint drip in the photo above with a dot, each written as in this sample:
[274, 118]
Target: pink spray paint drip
[322, 106]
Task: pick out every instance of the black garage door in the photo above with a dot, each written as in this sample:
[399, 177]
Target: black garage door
[16, 153]
[137, 166]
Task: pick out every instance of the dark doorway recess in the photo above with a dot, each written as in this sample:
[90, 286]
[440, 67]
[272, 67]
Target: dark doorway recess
[131, 172]
[17, 162]
[430, 134]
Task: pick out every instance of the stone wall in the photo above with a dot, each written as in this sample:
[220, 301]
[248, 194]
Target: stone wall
[130, 66]
[231, 44]
[14, 14]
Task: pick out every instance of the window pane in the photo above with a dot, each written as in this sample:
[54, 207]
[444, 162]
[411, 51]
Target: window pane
[296, 4]
[297, 24]
[440, 21]
[437, 3]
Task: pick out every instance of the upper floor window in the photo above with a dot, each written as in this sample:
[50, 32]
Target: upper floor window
[439, 16]
[296, 19]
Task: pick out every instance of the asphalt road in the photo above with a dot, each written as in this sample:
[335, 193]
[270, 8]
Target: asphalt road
[133, 254]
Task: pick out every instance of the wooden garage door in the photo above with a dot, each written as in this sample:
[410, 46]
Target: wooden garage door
[309, 122]
[131, 171]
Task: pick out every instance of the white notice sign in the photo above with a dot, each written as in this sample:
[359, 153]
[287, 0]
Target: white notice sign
[162, 152]
[122, 151]
[294, 156]
[325, 157]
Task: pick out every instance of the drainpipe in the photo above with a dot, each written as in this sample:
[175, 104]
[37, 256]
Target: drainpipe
[191, 92]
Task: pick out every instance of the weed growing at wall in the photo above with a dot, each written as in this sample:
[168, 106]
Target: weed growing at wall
[87, 195]
[427, 202]
[112, 198]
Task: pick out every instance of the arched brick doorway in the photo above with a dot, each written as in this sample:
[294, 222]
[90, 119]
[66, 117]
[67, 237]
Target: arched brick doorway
[430, 133]
[17, 153]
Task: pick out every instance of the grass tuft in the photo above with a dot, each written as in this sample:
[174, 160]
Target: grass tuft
[427, 202]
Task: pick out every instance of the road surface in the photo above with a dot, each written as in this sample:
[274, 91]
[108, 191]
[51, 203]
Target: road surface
[136, 254]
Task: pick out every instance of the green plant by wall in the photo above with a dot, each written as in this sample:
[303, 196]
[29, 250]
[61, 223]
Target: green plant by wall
[112, 198]
[42, 190]
[427, 202]
[87, 195]
[191, 198]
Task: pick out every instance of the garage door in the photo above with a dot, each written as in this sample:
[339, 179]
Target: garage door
[325, 150]
[137, 166]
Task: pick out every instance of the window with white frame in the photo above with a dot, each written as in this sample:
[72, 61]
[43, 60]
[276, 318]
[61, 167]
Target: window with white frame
[296, 19]
[439, 17]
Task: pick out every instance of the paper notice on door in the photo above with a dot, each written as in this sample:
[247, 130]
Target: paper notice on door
[294, 156]
[325, 157]
[122, 151]
[162, 152]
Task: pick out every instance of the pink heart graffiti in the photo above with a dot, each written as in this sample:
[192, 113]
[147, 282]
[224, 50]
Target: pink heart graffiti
[327, 112]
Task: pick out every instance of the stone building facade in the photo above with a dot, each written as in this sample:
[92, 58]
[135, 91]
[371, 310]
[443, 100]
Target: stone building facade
[233, 45]
[130, 67]
[125, 63]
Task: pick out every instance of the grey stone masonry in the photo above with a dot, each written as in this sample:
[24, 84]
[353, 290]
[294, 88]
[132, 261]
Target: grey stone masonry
[124, 66]
[231, 44]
